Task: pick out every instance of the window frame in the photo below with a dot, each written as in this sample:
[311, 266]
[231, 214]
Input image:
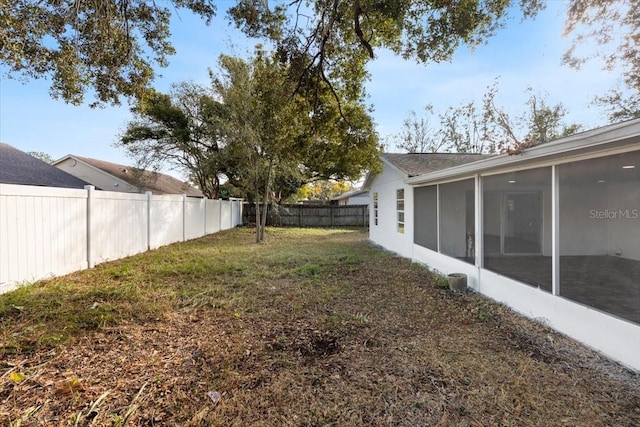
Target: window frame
[375, 208]
[400, 210]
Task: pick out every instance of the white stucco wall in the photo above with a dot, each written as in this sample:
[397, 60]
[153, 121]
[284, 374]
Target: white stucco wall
[386, 232]
[578, 235]
[582, 232]
[623, 232]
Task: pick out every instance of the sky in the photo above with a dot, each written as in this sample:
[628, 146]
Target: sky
[524, 54]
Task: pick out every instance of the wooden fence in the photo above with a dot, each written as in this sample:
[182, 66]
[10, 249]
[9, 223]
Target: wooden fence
[311, 215]
[46, 231]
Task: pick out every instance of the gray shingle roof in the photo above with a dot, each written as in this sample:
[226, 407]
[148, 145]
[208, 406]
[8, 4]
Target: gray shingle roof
[18, 167]
[413, 164]
[156, 182]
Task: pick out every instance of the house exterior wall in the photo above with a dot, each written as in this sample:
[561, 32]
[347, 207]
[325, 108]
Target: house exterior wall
[621, 237]
[362, 199]
[586, 240]
[615, 333]
[386, 232]
[96, 177]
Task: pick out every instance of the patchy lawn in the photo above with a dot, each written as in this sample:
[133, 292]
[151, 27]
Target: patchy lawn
[311, 328]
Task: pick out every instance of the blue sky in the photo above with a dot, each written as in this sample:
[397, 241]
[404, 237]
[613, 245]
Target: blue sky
[523, 54]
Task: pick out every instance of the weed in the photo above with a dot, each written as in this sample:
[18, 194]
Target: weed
[310, 270]
[361, 318]
[441, 282]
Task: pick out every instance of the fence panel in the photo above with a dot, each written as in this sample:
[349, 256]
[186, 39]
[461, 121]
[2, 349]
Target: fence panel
[225, 215]
[311, 215]
[167, 220]
[213, 216]
[47, 231]
[42, 233]
[236, 212]
[119, 225]
[194, 218]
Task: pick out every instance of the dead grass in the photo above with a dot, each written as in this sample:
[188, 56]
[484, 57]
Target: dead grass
[311, 328]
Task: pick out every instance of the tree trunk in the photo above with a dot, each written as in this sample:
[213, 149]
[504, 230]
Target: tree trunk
[266, 200]
[258, 233]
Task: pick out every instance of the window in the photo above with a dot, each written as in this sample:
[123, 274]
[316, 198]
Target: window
[375, 208]
[400, 209]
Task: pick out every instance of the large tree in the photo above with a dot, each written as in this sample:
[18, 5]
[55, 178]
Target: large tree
[486, 127]
[276, 126]
[111, 47]
[418, 134]
[539, 123]
[108, 47]
[180, 129]
[608, 30]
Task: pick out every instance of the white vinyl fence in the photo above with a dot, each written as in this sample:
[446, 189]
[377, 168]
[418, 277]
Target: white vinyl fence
[47, 231]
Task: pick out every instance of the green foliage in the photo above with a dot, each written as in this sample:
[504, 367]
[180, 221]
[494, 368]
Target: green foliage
[418, 135]
[106, 47]
[281, 133]
[620, 105]
[331, 41]
[487, 128]
[613, 27]
[45, 157]
[322, 190]
[182, 129]
[110, 48]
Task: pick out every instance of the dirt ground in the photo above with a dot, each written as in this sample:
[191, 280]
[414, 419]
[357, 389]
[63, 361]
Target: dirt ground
[312, 328]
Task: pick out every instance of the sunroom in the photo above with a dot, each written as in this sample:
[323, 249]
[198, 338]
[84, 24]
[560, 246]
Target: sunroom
[553, 232]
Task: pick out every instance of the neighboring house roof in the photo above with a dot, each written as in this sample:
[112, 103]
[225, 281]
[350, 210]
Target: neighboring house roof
[18, 167]
[352, 193]
[156, 182]
[415, 164]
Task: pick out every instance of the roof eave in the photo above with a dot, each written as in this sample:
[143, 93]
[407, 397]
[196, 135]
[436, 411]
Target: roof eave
[370, 175]
[587, 141]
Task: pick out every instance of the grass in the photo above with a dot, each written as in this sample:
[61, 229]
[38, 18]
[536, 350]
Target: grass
[310, 328]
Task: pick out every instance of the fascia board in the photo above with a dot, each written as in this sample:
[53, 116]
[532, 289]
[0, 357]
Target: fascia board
[94, 168]
[367, 182]
[584, 141]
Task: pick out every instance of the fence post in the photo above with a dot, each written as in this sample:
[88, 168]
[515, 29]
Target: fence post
[184, 217]
[148, 193]
[204, 222]
[90, 193]
[219, 214]
[300, 215]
